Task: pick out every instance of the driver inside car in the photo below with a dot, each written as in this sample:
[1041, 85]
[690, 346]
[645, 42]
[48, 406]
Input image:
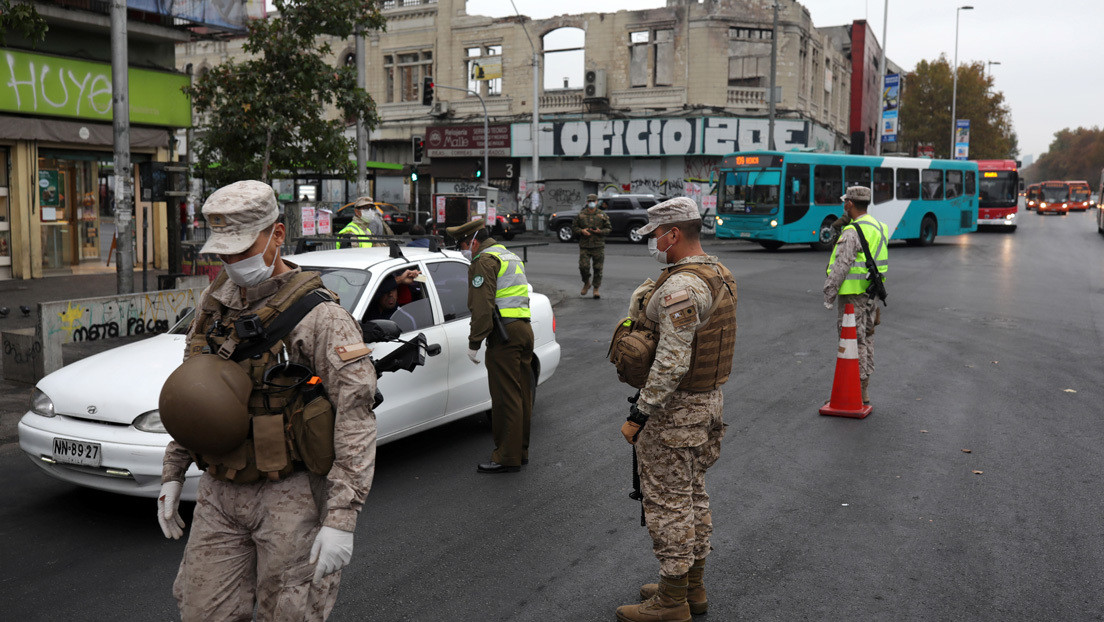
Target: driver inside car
[392, 289]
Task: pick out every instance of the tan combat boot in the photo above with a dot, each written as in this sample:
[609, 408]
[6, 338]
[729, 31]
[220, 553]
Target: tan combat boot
[668, 604]
[596, 294]
[586, 288]
[695, 589]
[865, 394]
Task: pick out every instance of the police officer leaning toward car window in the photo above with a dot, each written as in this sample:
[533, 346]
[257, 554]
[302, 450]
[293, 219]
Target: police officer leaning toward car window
[847, 276]
[270, 532]
[497, 286]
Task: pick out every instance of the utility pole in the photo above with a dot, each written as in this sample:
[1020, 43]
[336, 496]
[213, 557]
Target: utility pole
[124, 175]
[881, 83]
[361, 134]
[773, 70]
[534, 127]
[486, 132]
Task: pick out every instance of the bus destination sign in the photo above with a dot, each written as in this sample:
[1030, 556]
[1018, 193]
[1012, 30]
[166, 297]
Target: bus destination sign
[752, 161]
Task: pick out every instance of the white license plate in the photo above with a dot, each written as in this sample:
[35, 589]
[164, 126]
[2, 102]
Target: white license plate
[745, 235]
[77, 452]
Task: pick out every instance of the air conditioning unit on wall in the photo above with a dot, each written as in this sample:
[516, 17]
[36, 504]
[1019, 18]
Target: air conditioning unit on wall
[440, 108]
[594, 84]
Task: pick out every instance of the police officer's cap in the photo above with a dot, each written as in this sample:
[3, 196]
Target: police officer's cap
[465, 230]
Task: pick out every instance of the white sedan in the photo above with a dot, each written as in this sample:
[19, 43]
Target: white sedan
[95, 423]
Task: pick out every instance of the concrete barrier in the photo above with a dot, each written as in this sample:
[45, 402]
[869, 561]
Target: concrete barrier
[106, 317]
[21, 355]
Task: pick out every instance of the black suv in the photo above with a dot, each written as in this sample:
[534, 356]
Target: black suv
[627, 213]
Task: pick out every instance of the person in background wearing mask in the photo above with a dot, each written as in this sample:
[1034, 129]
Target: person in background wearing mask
[497, 286]
[366, 221]
[270, 542]
[591, 225]
[675, 422]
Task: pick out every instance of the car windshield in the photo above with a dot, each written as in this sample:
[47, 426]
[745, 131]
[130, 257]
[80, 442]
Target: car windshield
[998, 190]
[749, 192]
[1054, 194]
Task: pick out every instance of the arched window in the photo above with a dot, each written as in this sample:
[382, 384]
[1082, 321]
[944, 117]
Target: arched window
[564, 58]
[349, 59]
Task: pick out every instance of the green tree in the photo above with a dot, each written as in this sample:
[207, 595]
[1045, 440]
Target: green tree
[275, 112]
[1073, 155]
[926, 110]
[22, 18]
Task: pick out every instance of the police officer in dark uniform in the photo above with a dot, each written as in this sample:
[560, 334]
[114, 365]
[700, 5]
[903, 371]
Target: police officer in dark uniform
[498, 298]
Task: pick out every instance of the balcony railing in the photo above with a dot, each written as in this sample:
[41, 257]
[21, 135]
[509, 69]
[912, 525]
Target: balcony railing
[749, 97]
[659, 97]
[562, 101]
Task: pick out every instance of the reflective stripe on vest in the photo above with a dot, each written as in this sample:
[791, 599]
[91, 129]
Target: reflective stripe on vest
[856, 280]
[354, 228]
[512, 295]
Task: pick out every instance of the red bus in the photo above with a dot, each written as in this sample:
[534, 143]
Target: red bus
[1055, 198]
[1080, 195]
[998, 193]
[1032, 195]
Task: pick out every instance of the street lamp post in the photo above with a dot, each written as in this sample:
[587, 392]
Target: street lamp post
[534, 127]
[773, 70]
[954, 72]
[881, 83]
[989, 66]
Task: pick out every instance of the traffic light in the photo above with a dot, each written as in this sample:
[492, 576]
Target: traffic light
[418, 144]
[479, 170]
[427, 91]
[414, 174]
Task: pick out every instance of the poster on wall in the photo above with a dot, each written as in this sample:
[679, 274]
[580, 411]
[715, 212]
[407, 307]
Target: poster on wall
[307, 219]
[325, 223]
[440, 209]
[891, 95]
[962, 139]
[49, 194]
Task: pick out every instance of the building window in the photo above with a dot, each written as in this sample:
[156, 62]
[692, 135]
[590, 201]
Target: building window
[404, 73]
[651, 58]
[751, 33]
[564, 58]
[476, 58]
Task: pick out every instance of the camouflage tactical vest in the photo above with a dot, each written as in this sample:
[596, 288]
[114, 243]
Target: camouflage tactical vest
[292, 420]
[715, 343]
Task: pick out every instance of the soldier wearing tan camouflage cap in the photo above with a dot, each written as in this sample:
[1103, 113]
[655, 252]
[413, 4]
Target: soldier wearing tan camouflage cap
[270, 542]
[676, 423]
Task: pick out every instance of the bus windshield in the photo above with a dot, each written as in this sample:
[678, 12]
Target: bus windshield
[1079, 193]
[750, 192]
[1055, 194]
[998, 189]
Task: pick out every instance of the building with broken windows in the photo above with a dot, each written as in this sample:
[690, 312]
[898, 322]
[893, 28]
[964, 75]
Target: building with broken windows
[643, 101]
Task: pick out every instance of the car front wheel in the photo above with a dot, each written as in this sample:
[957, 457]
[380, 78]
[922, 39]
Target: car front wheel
[634, 236]
[563, 233]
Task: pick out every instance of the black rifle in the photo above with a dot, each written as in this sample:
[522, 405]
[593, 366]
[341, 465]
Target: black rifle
[876, 285]
[636, 495]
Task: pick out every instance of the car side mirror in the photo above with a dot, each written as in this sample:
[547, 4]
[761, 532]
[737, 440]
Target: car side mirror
[376, 331]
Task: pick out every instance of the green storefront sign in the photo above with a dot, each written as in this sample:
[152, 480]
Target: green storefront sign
[65, 87]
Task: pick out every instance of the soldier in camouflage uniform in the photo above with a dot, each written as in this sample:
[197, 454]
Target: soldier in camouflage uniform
[592, 226]
[274, 547]
[847, 270]
[676, 423]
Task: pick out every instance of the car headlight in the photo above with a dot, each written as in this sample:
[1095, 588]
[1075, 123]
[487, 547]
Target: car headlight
[150, 422]
[42, 404]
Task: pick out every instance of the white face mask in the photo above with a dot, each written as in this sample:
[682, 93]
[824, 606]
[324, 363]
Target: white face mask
[251, 271]
[653, 249]
[591, 205]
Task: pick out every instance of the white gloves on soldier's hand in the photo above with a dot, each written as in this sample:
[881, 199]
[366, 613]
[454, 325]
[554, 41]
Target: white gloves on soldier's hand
[473, 356]
[827, 305]
[331, 551]
[168, 510]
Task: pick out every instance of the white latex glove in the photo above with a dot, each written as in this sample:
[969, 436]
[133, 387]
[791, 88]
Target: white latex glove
[331, 551]
[473, 356]
[827, 305]
[168, 506]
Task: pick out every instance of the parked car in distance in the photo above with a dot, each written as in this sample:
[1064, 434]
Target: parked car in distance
[627, 213]
[95, 423]
[397, 219]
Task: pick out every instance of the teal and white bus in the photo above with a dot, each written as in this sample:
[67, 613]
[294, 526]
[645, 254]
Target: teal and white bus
[777, 198]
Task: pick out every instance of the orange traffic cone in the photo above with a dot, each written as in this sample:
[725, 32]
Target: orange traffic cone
[847, 388]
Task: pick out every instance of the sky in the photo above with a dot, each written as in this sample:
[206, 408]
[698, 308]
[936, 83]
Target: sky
[1048, 51]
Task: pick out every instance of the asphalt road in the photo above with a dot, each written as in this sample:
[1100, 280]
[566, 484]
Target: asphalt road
[991, 343]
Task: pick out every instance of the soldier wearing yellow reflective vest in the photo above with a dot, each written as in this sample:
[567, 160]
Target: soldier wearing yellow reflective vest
[847, 276]
[497, 285]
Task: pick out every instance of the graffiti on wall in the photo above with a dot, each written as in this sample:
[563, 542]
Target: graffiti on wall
[93, 319]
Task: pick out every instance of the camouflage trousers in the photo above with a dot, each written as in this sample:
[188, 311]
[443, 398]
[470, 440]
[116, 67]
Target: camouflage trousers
[673, 452]
[250, 547]
[865, 314]
[588, 256]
